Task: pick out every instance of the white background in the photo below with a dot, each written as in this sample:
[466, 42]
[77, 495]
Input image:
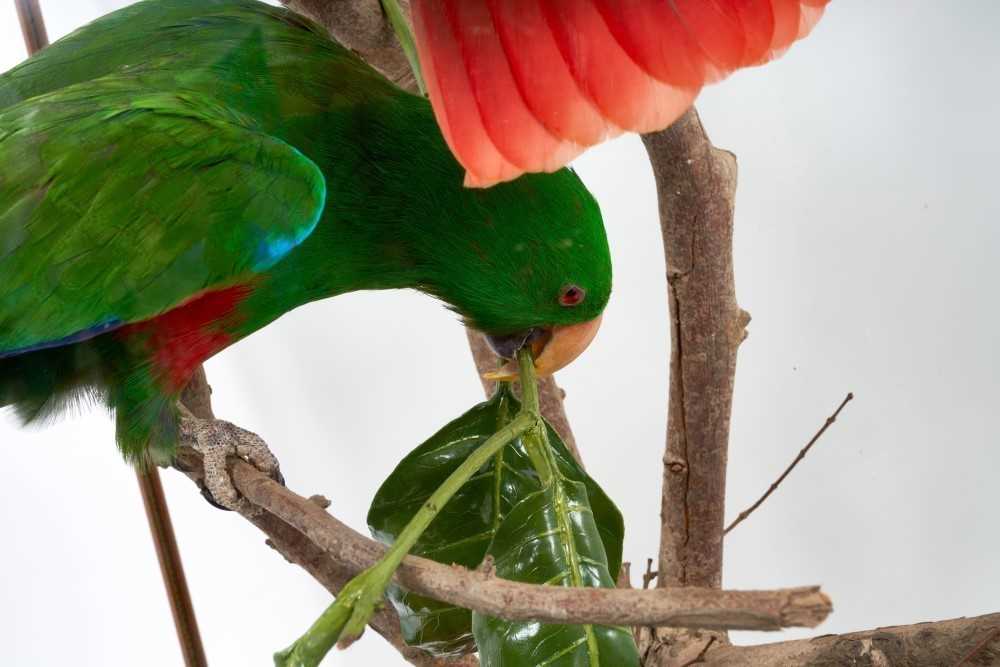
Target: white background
[866, 250]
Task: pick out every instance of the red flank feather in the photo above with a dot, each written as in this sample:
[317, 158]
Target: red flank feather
[182, 338]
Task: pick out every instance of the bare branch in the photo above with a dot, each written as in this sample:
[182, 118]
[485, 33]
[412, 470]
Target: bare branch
[945, 643]
[696, 185]
[700, 658]
[802, 454]
[480, 591]
[197, 395]
[650, 575]
[297, 549]
[624, 578]
[360, 25]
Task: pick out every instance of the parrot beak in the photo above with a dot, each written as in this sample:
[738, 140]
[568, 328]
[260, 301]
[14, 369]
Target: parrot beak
[552, 348]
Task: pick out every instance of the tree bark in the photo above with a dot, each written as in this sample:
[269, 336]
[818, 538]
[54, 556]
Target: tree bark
[696, 186]
[696, 189]
[960, 641]
[345, 552]
[360, 25]
[295, 547]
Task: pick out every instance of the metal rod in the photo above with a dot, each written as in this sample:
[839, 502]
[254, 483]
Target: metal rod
[29, 13]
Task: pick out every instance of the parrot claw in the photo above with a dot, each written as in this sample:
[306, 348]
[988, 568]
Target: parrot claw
[216, 440]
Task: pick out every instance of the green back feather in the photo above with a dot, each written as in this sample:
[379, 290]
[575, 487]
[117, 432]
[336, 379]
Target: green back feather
[180, 145]
[197, 105]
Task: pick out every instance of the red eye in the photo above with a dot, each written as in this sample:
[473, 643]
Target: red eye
[572, 295]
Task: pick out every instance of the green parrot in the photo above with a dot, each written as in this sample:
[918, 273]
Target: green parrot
[180, 173]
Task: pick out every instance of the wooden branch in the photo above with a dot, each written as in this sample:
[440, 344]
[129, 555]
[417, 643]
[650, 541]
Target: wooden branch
[332, 552]
[197, 395]
[360, 25]
[696, 186]
[801, 455]
[299, 551]
[296, 548]
[350, 552]
[29, 15]
[696, 189]
[969, 641]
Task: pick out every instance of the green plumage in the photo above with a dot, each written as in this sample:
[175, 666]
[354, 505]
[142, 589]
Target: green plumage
[176, 171]
[181, 147]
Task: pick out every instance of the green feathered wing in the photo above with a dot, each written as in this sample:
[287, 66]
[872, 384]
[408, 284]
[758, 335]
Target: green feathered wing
[117, 204]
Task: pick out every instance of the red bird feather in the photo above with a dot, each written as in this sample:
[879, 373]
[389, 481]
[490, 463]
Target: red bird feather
[179, 340]
[526, 85]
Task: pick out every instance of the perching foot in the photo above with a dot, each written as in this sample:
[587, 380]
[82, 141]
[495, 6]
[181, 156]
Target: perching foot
[216, 440]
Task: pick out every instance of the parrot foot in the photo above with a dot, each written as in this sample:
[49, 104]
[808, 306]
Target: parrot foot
[216, 440]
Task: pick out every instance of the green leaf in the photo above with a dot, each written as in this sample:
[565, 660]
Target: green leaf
[465, 527]
[551, 537]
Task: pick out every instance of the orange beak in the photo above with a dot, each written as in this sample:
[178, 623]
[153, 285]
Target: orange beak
[554, 350]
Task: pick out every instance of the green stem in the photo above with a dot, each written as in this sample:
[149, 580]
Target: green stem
[347, 616]
[536, 441]
[529, 383]
[402, 29]
[470, 466]
[312, 647]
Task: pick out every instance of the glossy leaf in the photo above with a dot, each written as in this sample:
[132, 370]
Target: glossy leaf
[551, 537]
[465, 527]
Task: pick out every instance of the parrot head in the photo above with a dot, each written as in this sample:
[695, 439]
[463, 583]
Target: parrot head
[528, 265]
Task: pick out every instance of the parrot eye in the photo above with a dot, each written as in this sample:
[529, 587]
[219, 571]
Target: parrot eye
[571, 295]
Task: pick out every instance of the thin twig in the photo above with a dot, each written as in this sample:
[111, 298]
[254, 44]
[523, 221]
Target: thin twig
[624, 579]
[649, 575]
[979, 647]
[802, 454]
[701, 656]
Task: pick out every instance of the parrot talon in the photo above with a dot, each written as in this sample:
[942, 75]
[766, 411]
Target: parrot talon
[210, 499]
[216, 440]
